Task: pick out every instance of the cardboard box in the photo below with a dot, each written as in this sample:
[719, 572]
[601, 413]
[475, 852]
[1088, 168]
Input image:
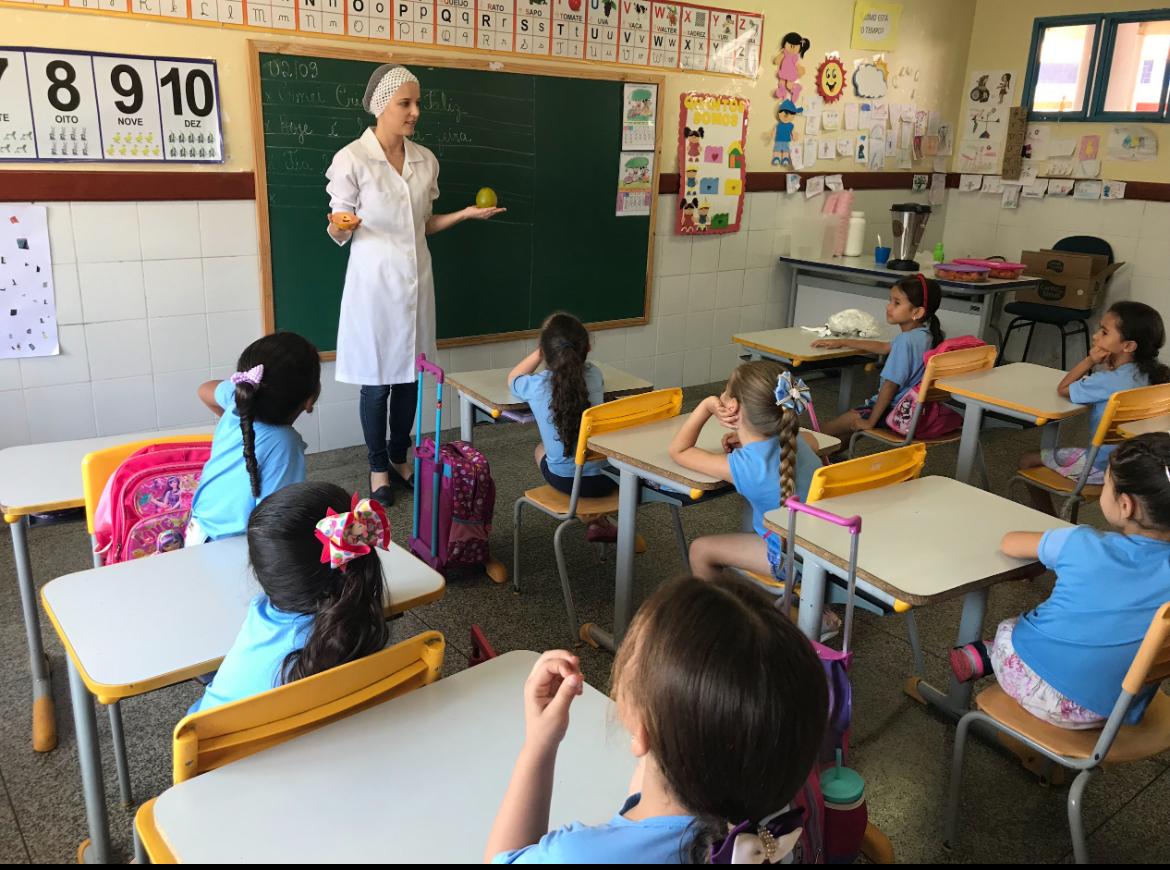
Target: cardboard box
[1068, 280]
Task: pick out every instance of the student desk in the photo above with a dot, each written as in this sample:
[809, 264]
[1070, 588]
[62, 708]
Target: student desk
[1024, 391]
[401, 782]
[1144, 427]
[922, 541]
[822, 286]
[793, 346]
[487, 392]
[137, 626]
[642, 453]
[41, 479]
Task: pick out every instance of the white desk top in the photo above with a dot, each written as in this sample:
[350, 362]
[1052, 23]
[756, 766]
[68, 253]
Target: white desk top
[923, 540]
[490, 386]
[866, 265]
[793, 343]
[1024, 387]
[1143, 427]
[153, 622]
[415, 780]
[39, 477]
[648, 447]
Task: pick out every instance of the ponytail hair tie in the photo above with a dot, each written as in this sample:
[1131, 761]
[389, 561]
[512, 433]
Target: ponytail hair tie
[345, 537]
[251, 376]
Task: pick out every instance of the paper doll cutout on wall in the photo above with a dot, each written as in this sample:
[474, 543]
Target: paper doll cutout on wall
[704, 214]
[831, 78]
[980, 93]
[692, 180]
[792, 49]
[688, 207]
[1004, 88]
[993, 87]
[869, 78]
[694, 140]
[782, 145]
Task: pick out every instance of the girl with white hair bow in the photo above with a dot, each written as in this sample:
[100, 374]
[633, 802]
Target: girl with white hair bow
[382, 188]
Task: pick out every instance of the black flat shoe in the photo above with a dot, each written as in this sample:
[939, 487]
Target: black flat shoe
[405, 482]
[384, 495]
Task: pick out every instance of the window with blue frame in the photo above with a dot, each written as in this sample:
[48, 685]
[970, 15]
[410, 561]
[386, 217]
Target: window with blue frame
[1106, 67]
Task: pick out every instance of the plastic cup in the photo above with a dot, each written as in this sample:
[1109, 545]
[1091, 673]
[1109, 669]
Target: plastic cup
[881, 255]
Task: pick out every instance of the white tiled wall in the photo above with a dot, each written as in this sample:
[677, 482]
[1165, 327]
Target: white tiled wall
[156, 297]
[1139, 233]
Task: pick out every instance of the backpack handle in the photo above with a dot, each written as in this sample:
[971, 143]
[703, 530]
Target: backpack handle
[424, 365]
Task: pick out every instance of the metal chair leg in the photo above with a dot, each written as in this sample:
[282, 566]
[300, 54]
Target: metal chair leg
[516, 546]
[1076, 827]
[1028, 340]
[681, 537]
[140, 855]
[121, 763]
[915, 644]
[952, 819]
[563, 569]
[1017, 322]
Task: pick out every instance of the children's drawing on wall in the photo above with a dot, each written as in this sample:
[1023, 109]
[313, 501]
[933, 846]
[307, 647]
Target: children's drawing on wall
[869, 78]
[638, 116]
[1132, 142]
[985, 124]
[831, 78]
[1089, 148]
[28, 308]
[713, 161]
[782, 144]
[991, 88]
[946, 139]
[789, 69]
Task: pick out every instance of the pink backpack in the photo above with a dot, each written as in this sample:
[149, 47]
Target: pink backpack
[936, 420]
[146, 503]
[465, 504]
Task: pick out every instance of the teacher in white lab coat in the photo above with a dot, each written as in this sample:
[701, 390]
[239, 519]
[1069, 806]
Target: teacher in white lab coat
[382, 189]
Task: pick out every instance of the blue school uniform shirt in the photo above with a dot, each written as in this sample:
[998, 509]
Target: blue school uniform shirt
[254, 662]
[224, 501]
[755, 473]
[1095, 390]
[1082, 640]
[536, 390]
[658, 840]
[904, 365]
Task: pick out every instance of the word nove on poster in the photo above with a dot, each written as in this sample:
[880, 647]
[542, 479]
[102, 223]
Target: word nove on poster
[712, 136]
[647, 33]
[91, 106]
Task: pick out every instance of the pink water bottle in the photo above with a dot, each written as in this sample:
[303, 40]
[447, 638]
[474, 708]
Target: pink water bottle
[846, 815]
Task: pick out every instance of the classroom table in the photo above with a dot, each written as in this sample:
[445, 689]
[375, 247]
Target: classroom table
[822, 286]
[137, 626]
[487, 391]
[407, 781]
[793, 346]
[922, 541]
[1023, 391]
[45, 479]
[642, 453]
[1144, 427]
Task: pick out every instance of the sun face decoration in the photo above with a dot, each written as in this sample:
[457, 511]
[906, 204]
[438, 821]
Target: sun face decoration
[831, 78]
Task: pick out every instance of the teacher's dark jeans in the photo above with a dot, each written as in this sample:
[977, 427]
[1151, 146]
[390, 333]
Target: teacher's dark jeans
[372, 409]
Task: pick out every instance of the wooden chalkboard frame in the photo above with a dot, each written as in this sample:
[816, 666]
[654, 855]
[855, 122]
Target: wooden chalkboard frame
[256, 47]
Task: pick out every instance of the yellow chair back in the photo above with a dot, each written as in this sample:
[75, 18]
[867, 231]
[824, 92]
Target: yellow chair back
[868, 472]
[625, 412]
[951, 363]
[1129, 406]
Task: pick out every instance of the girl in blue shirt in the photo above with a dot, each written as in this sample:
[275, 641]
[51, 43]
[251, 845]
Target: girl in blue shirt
[313, 550]
[557, 396]
[725, 702]
[765, 458]
[1064, 660]
[1124, 356]
[255, 450]
[912, 308]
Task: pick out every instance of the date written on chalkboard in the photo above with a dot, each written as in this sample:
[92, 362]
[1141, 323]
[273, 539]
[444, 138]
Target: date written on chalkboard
[88, 106]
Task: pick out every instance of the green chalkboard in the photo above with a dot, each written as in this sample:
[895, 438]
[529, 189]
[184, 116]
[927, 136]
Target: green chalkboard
[548, 144]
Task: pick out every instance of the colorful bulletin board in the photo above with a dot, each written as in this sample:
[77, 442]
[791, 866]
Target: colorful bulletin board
[663, 36]
[712, 132]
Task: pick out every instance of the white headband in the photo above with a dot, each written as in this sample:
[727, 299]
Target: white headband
[394, 78]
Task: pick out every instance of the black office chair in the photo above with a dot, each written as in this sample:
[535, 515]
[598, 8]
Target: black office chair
[1070, 321]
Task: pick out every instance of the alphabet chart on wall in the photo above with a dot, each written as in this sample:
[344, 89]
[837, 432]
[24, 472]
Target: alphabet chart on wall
[648, 33]
[89, 106]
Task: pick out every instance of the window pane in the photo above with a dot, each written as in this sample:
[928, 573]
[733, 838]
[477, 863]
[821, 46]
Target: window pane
[1140, 50]
[1063, 75]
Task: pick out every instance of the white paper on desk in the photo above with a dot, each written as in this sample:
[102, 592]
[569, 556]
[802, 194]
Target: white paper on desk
[792, 182]
[835, 182]
[851, 112]
[815, 186]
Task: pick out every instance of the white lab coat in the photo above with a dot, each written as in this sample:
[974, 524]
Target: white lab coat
[388, 305]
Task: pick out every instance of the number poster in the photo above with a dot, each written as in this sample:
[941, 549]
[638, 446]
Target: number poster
[83, 106]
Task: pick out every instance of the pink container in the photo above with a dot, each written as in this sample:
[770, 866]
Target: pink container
[960, 272]
[996, 269]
